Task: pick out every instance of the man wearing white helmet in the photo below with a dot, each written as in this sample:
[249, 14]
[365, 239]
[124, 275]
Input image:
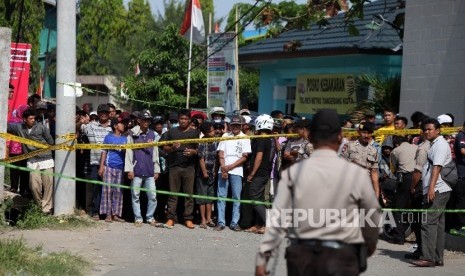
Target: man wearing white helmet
[261, 164]
[217, 113]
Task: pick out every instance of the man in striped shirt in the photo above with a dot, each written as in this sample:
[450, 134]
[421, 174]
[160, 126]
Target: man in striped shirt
[96, 132]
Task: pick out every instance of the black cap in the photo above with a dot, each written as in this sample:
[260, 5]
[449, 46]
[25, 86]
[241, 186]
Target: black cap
[326, 121]
[158, 119]
[367, 126]
[145, 114]
[303, 123]
[135, 114]
[103, 108]
[42, 105]
[237, 120]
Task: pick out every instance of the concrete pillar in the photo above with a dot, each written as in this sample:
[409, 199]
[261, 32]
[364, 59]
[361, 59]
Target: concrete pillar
[433, 62]
[65, 161]
[5, 46]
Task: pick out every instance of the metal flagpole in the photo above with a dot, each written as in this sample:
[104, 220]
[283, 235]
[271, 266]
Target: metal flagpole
[190, 59]
[208, 72]
[236, 60]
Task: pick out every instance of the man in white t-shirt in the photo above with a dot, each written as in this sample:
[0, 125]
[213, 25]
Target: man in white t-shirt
[232, 155]
[436, 193]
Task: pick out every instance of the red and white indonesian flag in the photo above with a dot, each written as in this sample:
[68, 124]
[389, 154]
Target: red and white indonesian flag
[193, 19]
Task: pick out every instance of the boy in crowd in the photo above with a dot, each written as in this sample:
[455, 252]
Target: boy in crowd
[111, 171]
[205, 182]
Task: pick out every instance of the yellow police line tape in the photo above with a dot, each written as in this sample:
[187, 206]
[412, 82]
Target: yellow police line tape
[75, 146]
[242, 201]
[31, 154]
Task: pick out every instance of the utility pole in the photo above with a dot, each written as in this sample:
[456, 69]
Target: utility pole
[5, 46]
[65, 161]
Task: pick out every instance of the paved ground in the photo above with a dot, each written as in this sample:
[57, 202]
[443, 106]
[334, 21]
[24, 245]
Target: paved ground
[122, 249]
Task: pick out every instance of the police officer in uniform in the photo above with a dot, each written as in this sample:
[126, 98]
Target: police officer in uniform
[363, 154]
[312, 188]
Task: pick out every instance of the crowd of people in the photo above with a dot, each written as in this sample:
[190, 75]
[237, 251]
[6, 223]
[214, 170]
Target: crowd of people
[405, 170]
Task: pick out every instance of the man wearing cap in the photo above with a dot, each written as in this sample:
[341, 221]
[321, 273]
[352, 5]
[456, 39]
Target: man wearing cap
[143, 168]
[181, 160]
[96, 132]
[232, 154]
[363, 154]
[331, 248]
[217, 114]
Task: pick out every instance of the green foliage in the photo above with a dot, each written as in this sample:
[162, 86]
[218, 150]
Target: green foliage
[18, 259]
[174, 14]
[31, 21]
[101, 24]
[386, 92]
[163, 66]
[249, 81]
[5, 206]
[34, 218]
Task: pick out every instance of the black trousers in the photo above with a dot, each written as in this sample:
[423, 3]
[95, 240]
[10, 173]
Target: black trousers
[459, 191]
[307, 260]
[401, 201]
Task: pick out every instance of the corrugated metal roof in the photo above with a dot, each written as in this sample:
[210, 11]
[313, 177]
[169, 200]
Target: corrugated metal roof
[336, 35]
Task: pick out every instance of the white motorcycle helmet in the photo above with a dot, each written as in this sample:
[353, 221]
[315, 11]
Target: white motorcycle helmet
[264, 122]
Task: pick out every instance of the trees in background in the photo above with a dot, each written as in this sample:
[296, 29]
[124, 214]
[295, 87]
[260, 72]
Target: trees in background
[25, 18]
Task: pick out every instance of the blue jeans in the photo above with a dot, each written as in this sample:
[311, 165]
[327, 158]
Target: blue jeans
[236, 188]
[149, 184]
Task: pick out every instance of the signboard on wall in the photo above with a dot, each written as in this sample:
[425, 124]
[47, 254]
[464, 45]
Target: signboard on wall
[221, 71]
[315, 92]
[19, 75]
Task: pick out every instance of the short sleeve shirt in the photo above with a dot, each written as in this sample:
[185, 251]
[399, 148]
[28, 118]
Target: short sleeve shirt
[96, 133]
[208, 152]
[264, 146]
[115, 158]
[233, 150]
[438, 155]
[364, 156]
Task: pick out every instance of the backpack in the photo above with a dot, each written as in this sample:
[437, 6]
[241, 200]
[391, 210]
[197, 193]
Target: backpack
[449, 173]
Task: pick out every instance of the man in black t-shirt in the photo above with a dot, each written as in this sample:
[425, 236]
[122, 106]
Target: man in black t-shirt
[459, 189]
[181, 162]
[261, 164]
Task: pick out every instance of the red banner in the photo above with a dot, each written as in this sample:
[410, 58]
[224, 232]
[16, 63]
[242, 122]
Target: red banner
[19, 75]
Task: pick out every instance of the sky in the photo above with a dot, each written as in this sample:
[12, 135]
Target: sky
[222, 7]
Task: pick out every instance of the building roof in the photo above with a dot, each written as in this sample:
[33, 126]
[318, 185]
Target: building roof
[334, 38]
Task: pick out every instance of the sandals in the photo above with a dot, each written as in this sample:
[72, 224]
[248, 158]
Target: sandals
[202, 225]
[96, 217]
[252, 229]
[138, 223]
[210, 224]
[108, 219]
[118, 219]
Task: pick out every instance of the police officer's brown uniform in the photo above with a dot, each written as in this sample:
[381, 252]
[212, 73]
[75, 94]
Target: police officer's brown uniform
[403, 162]
[366, 155]
[322, 183]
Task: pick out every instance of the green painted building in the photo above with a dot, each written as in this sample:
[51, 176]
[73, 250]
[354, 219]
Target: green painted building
[330, 51]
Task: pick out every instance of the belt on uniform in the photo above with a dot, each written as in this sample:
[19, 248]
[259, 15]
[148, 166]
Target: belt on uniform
[325, 244]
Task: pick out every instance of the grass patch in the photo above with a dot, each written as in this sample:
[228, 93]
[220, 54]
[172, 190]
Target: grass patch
[18, 259]
[33, 218]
